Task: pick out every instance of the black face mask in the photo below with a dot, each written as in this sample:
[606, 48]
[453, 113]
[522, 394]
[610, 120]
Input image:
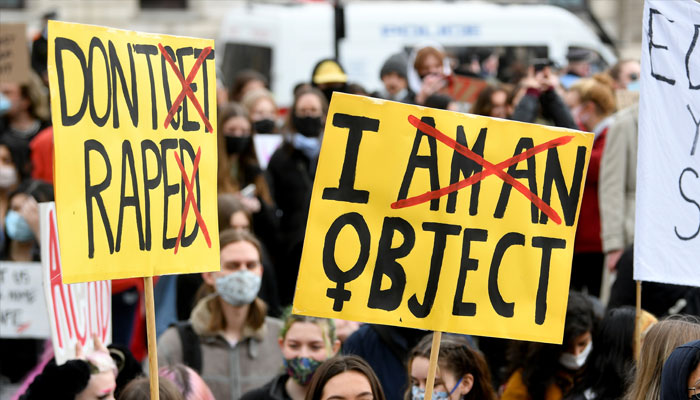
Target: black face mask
[307, 126]
[264, 126]
[236, 144]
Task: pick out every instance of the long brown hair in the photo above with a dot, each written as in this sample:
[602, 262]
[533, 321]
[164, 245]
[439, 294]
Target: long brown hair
[336, 366]
[458, 358]
[659, 342]
[257, 309]
[140, 389]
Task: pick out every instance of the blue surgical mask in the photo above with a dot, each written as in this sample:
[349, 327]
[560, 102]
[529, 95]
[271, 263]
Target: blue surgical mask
[419, 394]
[17, 227]
[310, 146]
[5, 104]
[633, 86]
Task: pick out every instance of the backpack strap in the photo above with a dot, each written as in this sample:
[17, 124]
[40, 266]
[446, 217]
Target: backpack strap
[191, 349]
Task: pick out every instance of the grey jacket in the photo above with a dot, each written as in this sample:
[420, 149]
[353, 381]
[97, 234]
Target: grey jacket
[229, 371]
[618, 181]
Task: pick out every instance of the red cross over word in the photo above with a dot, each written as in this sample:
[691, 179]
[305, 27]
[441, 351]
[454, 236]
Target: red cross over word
[186, 89]
[190, 200]
[488, 169]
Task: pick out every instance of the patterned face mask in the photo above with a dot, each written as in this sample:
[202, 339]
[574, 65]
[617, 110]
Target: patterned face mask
[419, 394]
[238, 288]
[301, 369]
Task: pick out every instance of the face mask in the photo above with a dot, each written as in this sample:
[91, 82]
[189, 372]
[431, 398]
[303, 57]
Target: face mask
[572, 362]
[236, 144]
[8, 176]
[633, 86]
[301, 369]
[238, 288]
[17, 228]
[264, 126]
[419, 394]
[5, 104]
[308, 126]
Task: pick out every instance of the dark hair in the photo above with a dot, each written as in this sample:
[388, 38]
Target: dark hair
[304, 90]
[609, 366]
[539, 362]
[456, 356]
[337, 365]
[228, 205]
[243, 78]
[140, 389]
[20, 156]
[438, 100]
[483, 104]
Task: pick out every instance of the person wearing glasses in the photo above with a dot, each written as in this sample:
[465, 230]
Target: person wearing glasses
[680, 377]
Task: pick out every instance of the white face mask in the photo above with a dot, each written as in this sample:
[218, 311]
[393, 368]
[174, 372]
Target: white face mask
[8, 176]
[572, 362]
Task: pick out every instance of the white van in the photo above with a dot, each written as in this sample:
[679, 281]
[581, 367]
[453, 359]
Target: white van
[285, 41]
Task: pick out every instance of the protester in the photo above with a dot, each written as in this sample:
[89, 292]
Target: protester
[395, 80]
[680, 377]
[86, 377]
[428, 71]
[607, 372]
[492, 102]
[579, 66]
[537, 96]
[596, 107]
[345, 377]
[626, 74]
[262, 110]
[187, 381]
[227, 325]
[306, 342]
[386, 349]
[140, 389]
[462, 372]
[550, 371]
[328, 76]
[441, 101]
[247, 80]
[291, 172]
[659, 341]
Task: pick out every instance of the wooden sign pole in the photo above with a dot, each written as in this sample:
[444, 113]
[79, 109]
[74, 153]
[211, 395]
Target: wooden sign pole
[151, 336]
[432, 367]
[638, 322]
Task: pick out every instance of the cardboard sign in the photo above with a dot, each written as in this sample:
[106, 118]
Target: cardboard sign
[77, 311]
[135, 152]
[465, 89]
[22, 306]
[14, 53]
[667, 228]
[438, 220]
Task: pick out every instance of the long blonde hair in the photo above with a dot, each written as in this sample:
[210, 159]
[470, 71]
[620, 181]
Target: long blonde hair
[659, 342]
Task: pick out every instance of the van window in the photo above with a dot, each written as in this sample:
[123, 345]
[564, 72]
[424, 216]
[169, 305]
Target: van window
[238, 57]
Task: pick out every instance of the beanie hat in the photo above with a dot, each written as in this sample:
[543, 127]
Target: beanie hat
[396, 63]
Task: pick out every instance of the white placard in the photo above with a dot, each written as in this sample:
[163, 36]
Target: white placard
[265, 146]
[667, 229]
[76, 311]
[22, 304]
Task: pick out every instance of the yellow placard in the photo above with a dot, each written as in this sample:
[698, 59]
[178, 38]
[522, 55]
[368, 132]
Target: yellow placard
[444, 221]
[134, 116]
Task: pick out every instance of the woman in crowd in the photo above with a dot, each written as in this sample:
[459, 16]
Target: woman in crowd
[345, 378]
[228, 337]
[247, 80]
[462, 372]
[262, 110]
[659, 341]
[291, 171]
[680, 376]
[550, 371]
[607, 370]
[596, 106]
[428, 71]
[492, 102]
[240, 172]
[306, 342]
[187, 382]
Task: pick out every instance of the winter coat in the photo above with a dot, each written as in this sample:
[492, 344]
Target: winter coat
[228, 370]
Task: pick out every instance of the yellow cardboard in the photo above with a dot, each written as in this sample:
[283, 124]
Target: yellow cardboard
[494, 263]
[111, 92]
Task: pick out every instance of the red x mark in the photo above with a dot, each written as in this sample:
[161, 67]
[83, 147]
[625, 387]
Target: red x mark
[190, 200]
[186, 89]
[488, 169]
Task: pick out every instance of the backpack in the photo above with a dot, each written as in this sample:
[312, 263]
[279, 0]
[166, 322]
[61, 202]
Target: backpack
[191, 349]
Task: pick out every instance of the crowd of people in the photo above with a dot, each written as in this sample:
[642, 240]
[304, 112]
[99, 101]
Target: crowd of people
[230, 334]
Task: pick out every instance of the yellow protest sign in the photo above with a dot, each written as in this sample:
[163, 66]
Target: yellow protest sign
[135, 152]
[437, 220]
